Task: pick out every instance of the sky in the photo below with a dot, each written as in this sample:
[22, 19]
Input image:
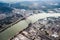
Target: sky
[15, 0]
[22, 0]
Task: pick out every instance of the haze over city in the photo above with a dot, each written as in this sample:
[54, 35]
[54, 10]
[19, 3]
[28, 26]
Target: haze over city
[30, 19]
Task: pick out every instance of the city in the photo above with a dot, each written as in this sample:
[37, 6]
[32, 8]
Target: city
[43, 29]
[30, 19]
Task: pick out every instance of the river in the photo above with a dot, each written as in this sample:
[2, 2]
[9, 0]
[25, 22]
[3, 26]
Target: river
[10, 32]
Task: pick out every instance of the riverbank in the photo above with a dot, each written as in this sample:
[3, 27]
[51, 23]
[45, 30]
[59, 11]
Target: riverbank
[10, 32]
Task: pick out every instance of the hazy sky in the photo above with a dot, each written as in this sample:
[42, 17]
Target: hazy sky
[16, 0]
[22, 0]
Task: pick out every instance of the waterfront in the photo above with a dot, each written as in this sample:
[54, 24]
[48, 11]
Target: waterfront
[10, 32]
